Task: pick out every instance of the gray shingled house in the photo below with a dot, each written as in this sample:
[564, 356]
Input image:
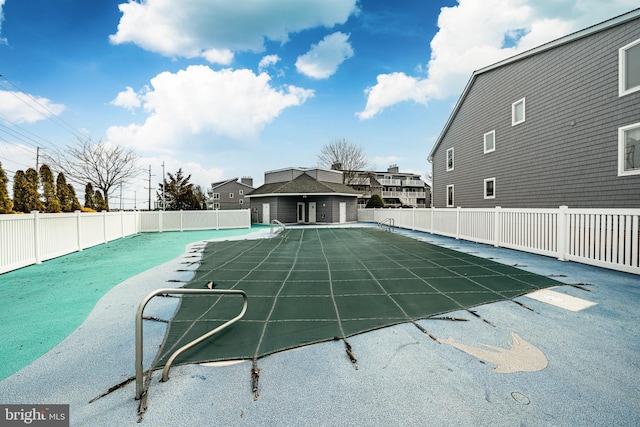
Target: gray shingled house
[303, 195]
[556, 125]
[230, 194]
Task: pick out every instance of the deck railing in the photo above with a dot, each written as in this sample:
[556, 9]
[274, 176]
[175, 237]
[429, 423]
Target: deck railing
[32, 238]
[602, 237]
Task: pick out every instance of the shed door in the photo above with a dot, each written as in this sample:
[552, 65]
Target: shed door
[343, 212]
[265, 213]
[312, 212]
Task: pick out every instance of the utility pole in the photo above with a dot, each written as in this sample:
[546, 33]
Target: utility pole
[149, 187]
[37, 158]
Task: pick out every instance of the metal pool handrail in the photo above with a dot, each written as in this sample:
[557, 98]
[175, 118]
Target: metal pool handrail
[273, 222]
[389, 222]
[167, 366]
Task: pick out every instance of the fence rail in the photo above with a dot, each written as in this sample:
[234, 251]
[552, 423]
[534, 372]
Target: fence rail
[32, 238]
[602, 237]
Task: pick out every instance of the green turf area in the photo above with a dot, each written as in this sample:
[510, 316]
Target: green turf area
[42, 304]
[311, 285]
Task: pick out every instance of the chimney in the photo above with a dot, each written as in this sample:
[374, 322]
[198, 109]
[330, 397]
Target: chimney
[247, 180]
[393, 169]
[337, 166]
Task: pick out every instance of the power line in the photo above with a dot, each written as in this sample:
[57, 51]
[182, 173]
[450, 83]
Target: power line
[51, 116]
[23, 134]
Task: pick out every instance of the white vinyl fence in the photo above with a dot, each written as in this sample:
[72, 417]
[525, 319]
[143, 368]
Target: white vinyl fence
[602, 237]
[32, 238]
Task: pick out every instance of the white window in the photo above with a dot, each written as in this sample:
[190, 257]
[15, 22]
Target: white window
[241, 201]
[629, 150]
[231, 195]
[216, 206]
[241, 192]
[629, 68]
[216, 196]
[490, 141]
[490, 188]
[517, 112]
[450, 159]
[450, 199]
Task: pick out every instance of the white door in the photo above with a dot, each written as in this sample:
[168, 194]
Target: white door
[265, 213]
[312, 212]
[343, 212]
[300, 212]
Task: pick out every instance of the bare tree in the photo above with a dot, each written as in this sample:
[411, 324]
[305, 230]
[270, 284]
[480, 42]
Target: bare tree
[104, 165]
[345, 156]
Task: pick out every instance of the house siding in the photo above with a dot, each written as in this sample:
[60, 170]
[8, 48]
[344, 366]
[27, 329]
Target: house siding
[233, 187]
[285, 208]
[566, 150]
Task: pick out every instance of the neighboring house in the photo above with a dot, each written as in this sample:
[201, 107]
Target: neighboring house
[556, 125]
[230, 194]
[304, 195]
[396, 188]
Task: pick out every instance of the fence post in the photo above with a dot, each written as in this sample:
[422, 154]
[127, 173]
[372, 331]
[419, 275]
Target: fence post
[121, 224]
[413, 219]
[104, 227]
[497, 226]
[433, 213]
[181, 229]
[561, 237]
[458, 210]
[36, 236]
[160, 221]
[79, 230]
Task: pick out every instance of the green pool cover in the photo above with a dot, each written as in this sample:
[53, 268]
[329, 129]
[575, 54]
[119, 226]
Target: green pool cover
[309, 285]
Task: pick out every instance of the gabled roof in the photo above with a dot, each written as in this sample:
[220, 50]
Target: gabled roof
[621, 19]
[303, 184]
[215, 185]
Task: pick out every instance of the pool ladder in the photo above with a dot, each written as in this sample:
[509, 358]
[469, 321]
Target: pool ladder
[388, 223]
[167, 366]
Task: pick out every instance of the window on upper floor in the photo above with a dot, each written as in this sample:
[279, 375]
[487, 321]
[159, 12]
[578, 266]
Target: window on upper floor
[450, 196]
[490, 188]
[629, 150]
[629, 68]
[490, 141]
[450, 159]
[517, 112]
[216, 196]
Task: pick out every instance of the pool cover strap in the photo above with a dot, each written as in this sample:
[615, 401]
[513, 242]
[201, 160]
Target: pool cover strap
[310, 285]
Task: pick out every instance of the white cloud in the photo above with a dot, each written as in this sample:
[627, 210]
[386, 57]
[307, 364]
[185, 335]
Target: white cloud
[478, 33]
[323, 59]
[268, 61]
[127, 99]
[214, 28]
[18, 107]
[198, 101]
[392, 89]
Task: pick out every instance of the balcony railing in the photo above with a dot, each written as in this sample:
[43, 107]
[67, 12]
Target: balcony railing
[390, 182]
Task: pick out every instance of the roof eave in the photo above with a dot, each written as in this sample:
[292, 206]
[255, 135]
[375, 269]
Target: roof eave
[547, 46]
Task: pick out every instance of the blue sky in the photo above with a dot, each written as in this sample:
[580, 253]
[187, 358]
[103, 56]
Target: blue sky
[226, 89]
